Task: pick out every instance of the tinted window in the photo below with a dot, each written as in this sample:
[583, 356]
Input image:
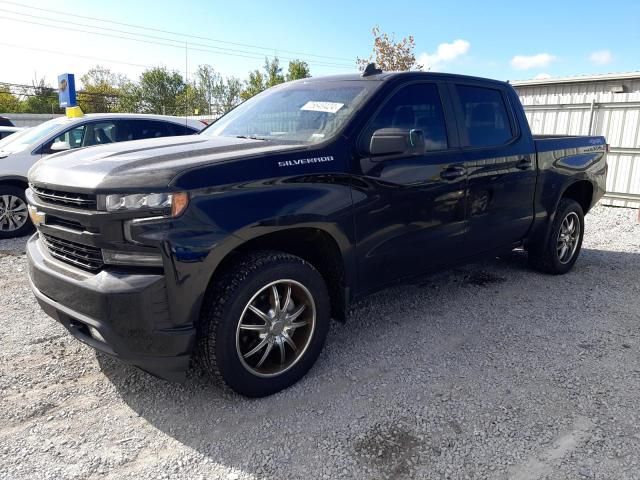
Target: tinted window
[152, 129]
[140, 129]
[417, 107]
[486, 120]
[100, 133]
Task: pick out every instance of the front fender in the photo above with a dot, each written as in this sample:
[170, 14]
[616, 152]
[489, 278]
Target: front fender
[219, 221]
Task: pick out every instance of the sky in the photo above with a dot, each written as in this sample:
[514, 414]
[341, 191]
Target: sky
[502, 40]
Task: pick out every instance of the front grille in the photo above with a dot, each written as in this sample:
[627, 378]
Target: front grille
[85, 201]
[82, 256]
[63, 222]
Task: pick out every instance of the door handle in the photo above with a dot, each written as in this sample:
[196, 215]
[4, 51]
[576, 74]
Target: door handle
[451, 173]
[524, 163]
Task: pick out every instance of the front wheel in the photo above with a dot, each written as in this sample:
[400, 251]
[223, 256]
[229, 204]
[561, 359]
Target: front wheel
[14, 216]
[264, 323]
[563, 245]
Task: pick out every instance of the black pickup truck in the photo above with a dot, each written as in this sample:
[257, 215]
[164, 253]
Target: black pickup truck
[237, 246]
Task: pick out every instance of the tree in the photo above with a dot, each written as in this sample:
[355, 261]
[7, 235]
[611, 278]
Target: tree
[100, 90]
[227, 94]
[259, 81]
[254, 85]
[129, 99]
[298, 69]
[207, 82]
[273, 72]
[191, 101]
[40, 98]
[158, 91]
[9, 103]
[390, 55]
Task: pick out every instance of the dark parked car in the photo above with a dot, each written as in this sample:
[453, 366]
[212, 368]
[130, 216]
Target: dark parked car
[239, 244]
[5, 122]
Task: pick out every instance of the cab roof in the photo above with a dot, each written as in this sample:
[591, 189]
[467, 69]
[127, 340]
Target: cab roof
[385, 76]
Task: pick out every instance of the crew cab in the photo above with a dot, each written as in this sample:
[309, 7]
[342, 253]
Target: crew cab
[237, 246]
[19, 152]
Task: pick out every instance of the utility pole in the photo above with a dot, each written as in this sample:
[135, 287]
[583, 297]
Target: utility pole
[186, 79]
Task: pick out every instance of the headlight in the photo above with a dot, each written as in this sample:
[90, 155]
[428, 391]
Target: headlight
[175, 202]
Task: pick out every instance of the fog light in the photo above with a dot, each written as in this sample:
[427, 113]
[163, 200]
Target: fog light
[96, 334]
[114, 257]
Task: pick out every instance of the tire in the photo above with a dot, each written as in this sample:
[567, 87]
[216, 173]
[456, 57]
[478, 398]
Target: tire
[230, 330]
[14, 216]
[549, 258]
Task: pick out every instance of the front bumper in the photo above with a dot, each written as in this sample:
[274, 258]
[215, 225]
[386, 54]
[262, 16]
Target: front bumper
[129, 310]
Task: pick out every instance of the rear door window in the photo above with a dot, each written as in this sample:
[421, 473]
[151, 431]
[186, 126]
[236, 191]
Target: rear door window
[154, 129]
[486, 117]
[157, 128]
[100, 133]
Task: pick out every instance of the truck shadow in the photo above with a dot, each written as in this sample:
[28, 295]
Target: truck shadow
[432, 318]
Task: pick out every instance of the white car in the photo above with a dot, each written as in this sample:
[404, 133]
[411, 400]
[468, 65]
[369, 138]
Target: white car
[21, 150]
[6, 131]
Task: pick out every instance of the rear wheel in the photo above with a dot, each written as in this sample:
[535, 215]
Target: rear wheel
[264, 323]
[564, 242]
[14, 215]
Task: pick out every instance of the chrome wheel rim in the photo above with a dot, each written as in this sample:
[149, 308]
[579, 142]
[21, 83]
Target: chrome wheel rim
[568, 238]
[13, 213]
[276, 328]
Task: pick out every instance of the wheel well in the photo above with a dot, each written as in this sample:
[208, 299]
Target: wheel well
[311, 244]
[15, 183]
[581, 192]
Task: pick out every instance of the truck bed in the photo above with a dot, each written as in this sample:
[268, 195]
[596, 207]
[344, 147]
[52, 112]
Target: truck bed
[547, 143]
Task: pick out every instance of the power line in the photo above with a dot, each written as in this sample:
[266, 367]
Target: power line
[154, 37]
[54, 52]
[209, 49]
[142, 27]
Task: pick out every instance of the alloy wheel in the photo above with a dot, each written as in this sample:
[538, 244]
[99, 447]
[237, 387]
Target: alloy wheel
[568, 238]
[276, 328]
[13, 213]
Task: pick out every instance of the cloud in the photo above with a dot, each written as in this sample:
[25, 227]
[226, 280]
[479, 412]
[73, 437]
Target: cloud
[445, 53]
[601, 57]
[542, 76]
[524, 62]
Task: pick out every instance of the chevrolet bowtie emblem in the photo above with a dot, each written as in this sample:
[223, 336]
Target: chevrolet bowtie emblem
[36, 217]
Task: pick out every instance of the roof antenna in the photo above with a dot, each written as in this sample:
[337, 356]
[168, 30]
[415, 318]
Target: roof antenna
[371, 69]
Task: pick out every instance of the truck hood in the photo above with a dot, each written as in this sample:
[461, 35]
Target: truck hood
[142, 164]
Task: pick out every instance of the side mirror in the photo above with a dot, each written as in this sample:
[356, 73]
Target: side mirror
[389, 141]
[60, 147]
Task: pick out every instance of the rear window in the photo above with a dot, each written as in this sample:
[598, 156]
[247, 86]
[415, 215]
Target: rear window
[486, 118]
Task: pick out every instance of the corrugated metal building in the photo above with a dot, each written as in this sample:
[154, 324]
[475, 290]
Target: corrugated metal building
[606, 105]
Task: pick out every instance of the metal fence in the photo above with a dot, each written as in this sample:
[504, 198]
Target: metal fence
[602, 105]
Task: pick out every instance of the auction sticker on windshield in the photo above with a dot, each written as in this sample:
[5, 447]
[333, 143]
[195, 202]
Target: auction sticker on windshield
[328, 107]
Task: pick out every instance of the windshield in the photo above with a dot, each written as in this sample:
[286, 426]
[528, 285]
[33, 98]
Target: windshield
[23, 139]
[295, 113]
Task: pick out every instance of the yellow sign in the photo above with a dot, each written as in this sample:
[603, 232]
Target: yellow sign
[74, 112]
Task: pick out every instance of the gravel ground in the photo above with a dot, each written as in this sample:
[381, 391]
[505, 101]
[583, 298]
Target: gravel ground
[488, 371]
